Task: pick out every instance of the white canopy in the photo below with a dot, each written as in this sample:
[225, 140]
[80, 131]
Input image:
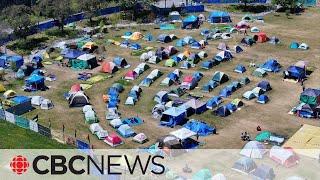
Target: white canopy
[183, 133]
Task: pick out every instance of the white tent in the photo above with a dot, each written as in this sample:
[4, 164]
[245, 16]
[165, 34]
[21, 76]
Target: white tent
[140, 138]
[304, 46]
[87, 108]
[130, 101]
[183, 133]
[36, 100]
[218, 176]
[153, 60]
[86, 57]
[116, 123]
[112, 113]
[46, 104]
[253, 149]
[102, 134]
[144, 57]
[95, 127]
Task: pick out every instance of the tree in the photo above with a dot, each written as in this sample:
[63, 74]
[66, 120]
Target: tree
[135, 6]
[245, 2]
[18, 18]
[58, 10]
[90, 7]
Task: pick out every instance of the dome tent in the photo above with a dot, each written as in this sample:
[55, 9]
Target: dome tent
[253, 149]
[244, 165]
[219, 17]
[46, 104]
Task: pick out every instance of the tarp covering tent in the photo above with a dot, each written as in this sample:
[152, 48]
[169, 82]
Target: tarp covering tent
[85, 61]
[240, 69]
[125, 131]
[78, 99]
[223, 56]
[253, 149]
[164, 38]
[263, 172]
[310, 96]
[219, 17]
[113, 140]
[173, 116]
[259, 73]
[214, 102]
[244, 165]
[200, 128]
[197, 106]
[284, 156]
[203, 174]
[35, 82]
[264, 85]
[222, 111]
[109, 67]
[294, 45]
[220, 77]
[73, 54]
[261, 37]
[170, 142]
[295, 72]
[271, 65]
[263, 99]
[190, 22]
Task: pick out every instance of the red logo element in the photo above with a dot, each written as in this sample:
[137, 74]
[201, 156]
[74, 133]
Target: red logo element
[19, 164]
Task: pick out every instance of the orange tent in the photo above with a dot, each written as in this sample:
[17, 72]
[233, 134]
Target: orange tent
[260, 37]
[108, 67]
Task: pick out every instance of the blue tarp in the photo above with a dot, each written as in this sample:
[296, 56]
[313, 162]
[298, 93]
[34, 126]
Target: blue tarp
[240, 69]
[18, 60]
[201, 128]
[191, 21]
[35, 79]
[134, 121]
[173, 116]
[296, 72]
[73, 54]
[20, 99]
[219, 17]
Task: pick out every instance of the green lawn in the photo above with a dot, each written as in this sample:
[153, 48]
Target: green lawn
[14, 137]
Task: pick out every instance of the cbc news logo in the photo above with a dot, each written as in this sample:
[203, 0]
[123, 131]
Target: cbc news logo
[19, 164]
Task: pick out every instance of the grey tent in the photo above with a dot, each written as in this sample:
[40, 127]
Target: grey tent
[244, 165]
[263, 172]
[78, 99]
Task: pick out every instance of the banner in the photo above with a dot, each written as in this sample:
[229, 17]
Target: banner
[10, 117]
[33, 126]
[2, 115]
[22, 122]
[44, 131]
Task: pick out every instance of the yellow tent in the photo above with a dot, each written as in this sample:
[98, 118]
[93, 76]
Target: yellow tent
[186, 53]
[89, 45]
[2, 88]
[9, 94]
[306, 141]
[136, 36]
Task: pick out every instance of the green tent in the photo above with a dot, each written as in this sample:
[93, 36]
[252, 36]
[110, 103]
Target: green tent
[310, 96]
[263, 136]
[203, 174]
[170, 63]
[90, 117]
[259, 73]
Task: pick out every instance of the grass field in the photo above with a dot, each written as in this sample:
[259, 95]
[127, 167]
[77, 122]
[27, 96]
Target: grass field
[13, 137]
[272, 116]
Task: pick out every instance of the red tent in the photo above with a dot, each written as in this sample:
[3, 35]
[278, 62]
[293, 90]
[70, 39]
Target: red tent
[108, 67]
[75, 88]
[284, 156]
[260, 37]
[113, 140]
[188, 79]
[131, 75]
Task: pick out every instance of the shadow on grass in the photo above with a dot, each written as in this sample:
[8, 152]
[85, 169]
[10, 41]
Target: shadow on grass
[24, 46]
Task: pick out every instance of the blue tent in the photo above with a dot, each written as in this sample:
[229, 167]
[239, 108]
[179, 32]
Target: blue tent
[231, 88]
[207, 88]
[120, 62]
[225, 92]
[207, 65]
[223, 56]
[197, 75]
[128, 33]
[173, 76]
[134, 121]
[205, 32]
[231, 107]
[134, 94]
[176, 58]
[236, 84]
[125, 131]
[173, 116]
[189, 40]
[17, 60]
[135, 46]
[73, 54]
[186, 65]
[263, 99]
[35, 82]
[20, 99]
[296, 72]
[238, 49]
[113, 92]
[164, 38]
[125, 43]
[219, 17]
[201, 128]
[36, 59]
[181, 43]
[222, 111]
[264, 85]
[294, 45]
[3, 60]
[240, 69]
[112, 104]
[213, 83]
[148, 37]
[196, 45]
[271, 65]
[190, 22]
[214, 102]
[146, 82]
